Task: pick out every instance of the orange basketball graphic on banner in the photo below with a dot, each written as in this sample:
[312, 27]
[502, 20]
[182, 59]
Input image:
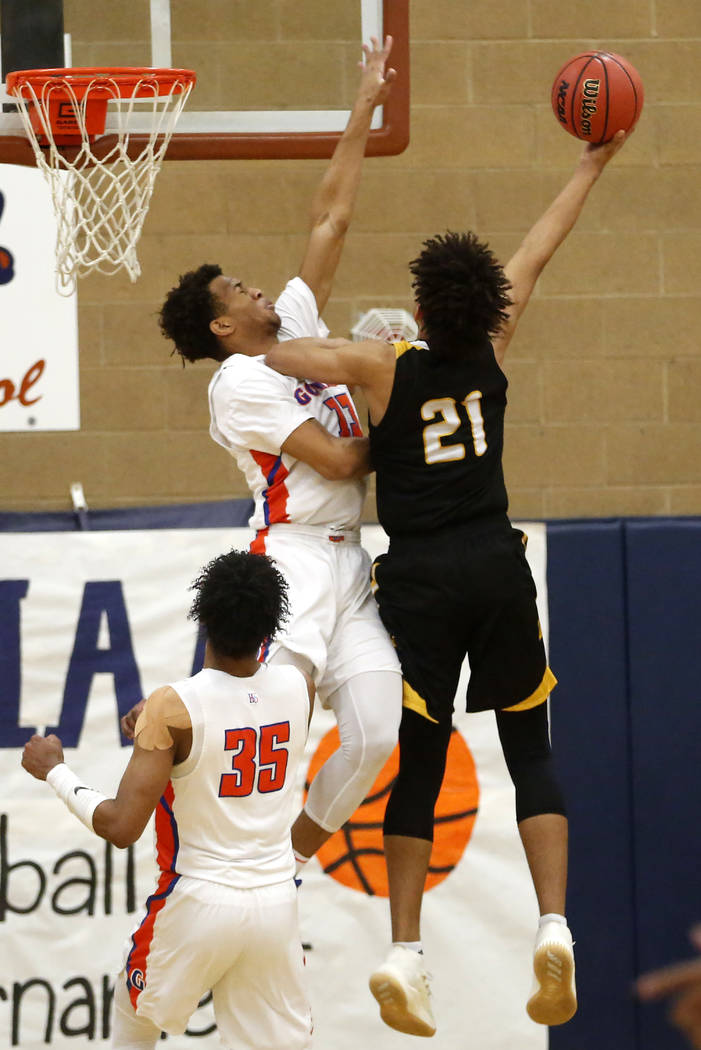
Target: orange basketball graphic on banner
[354, 855]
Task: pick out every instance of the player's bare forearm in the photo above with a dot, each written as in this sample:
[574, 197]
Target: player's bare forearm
[335, 458]
[359, 453]
[334, 201]
[320, 359]
[548, 233]
[122, 820]
[337, 191]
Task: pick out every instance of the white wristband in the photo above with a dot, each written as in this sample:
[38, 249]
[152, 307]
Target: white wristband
[80, 799]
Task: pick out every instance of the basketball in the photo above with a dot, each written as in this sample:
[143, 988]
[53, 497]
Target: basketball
[596, 94]
[354, 855]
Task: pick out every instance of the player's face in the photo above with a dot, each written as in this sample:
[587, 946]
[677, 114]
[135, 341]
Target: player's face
[247, 307]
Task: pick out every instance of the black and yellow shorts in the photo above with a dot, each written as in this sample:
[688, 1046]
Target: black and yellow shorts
[466, 591]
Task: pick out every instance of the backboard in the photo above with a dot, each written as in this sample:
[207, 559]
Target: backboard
[275, 79]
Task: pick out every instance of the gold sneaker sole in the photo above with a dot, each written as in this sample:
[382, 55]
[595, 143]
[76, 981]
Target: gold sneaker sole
[394, 1007]
[555, 1002]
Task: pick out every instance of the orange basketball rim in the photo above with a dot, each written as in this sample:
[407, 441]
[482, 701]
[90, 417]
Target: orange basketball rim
[73, 101]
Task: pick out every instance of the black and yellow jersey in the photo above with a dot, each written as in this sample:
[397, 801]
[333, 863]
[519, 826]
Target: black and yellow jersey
[437, 451]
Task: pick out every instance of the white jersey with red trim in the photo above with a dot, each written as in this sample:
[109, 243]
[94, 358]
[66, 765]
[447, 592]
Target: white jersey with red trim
[227, 811]
[254, 410]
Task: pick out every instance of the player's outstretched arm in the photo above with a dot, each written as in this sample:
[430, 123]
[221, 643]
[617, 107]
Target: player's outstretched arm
[334, 201]
[368, 364]
[545, 237]
[120, 820]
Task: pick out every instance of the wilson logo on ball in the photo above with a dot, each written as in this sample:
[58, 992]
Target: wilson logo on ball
[354, 855]
[590, 94]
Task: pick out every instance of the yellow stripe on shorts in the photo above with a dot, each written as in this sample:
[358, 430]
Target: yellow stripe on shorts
[414, 702]
[539, 696]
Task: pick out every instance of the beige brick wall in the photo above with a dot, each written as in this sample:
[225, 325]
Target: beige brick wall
[605, 369]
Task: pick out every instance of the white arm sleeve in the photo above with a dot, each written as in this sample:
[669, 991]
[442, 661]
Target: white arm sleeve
[80, 799]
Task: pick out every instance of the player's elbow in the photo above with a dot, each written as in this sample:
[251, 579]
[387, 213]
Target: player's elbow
[333, 222]
[122, 839]
[349, 462]
[334, 470]
[121, 833]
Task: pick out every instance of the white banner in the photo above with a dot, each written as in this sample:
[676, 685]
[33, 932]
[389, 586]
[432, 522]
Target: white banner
[91, 621]
[38, 327]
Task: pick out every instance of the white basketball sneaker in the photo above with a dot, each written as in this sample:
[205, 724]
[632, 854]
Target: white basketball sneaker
[554, 996]
[401, 987]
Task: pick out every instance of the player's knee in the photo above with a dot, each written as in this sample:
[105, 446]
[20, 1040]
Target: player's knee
[409, 812]
[525, 742]
[371, 751]
[537, 789]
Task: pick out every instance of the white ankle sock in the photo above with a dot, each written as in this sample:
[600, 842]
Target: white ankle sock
[300, 861]
[414, 946]
[551, 917]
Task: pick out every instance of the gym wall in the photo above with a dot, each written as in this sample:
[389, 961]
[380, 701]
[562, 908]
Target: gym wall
[604, 418]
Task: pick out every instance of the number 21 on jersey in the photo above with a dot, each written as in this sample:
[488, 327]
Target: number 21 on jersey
[445, 407]
[259, 760]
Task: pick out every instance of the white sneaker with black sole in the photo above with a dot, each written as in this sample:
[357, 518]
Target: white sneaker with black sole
[401, 987]
[554, 997]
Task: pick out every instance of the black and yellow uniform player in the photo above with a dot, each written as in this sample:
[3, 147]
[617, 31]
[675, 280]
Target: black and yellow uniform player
[455, 580]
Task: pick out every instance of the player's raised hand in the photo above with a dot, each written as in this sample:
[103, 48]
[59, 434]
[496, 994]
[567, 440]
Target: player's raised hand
[598, 156]
[128, 721]
[41, 754]
[376, 80]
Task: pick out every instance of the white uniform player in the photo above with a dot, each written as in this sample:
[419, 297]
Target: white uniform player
[215, 759]
[296, 444]
[226, 868]
[310, 526]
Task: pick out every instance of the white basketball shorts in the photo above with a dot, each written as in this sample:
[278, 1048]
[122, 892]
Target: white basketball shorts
[244, 945]
[334, 621]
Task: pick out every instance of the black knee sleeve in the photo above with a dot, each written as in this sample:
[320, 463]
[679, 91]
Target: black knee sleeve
[526, 745]
[423, 747]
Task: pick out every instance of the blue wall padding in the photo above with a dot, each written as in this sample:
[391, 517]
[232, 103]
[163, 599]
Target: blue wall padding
[591, 741]
[663, 560]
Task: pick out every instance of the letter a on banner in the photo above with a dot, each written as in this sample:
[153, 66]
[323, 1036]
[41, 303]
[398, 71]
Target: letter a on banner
[87, 659]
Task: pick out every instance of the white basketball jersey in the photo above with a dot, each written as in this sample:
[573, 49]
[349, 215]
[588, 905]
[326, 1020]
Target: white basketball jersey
[227, 811]
[254, 410]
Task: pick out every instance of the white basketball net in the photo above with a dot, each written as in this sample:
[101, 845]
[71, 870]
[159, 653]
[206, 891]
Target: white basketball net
[385, 323]
[101, 202]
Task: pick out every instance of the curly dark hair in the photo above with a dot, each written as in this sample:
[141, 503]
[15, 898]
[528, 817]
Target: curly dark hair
[241, 601]
[462, 293]
[185, 315]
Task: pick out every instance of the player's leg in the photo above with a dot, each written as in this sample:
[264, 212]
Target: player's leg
[367, 709]
[400, 984]
[362, 686]
[509, 672]
[261, 1003]
[129, 1031]
[542, 825]
[540, 807]
[408, 823]
[308, 565]
[431, 648]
